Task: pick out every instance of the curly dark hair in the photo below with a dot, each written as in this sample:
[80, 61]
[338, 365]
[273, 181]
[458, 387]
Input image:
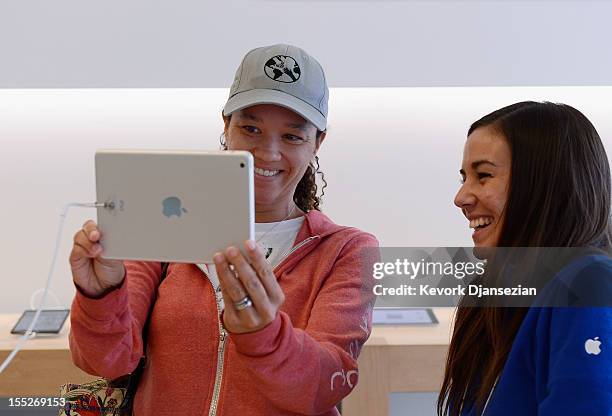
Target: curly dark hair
[305, 195]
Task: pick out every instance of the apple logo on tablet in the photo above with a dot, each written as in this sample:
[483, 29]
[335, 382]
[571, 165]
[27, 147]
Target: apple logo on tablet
[592, 346]
[172, 206]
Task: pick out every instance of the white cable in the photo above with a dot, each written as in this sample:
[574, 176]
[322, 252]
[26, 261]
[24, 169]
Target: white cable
[57, 302]
[29, 331]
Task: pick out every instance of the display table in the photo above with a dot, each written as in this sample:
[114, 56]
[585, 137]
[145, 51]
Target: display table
[400, 359]
[395, 359]
[40, 367]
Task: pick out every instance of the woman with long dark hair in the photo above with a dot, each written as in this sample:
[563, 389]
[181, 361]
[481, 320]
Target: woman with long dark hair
[535, 175]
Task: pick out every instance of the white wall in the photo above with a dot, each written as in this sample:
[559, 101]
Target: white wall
[391, 159]
[198, 43]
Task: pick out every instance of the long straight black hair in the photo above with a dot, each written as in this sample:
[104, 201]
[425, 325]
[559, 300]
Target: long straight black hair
[559, 196]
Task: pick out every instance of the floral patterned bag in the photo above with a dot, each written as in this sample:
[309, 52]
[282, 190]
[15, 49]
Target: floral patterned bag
[101, 397]
[105, 397]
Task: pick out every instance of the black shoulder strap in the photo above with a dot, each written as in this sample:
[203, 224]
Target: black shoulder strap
[145, 328]
[164, 271]
[137, 373]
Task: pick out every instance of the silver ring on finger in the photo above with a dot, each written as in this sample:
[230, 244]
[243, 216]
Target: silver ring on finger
[243, 303]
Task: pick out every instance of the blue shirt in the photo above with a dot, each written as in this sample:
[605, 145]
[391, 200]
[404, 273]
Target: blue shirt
[561, 359]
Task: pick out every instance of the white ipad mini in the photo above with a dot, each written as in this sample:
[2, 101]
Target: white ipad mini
[173, 205]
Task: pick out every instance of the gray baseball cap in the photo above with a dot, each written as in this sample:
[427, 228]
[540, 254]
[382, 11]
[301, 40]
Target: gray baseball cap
[284, 75]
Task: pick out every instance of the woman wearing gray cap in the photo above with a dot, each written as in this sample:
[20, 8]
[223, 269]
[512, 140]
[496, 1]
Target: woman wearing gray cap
[276, 332]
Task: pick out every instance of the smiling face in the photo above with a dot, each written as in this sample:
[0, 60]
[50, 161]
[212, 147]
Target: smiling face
[282, 144]
[485, 173]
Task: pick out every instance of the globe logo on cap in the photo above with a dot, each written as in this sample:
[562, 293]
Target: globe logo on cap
[282, 68]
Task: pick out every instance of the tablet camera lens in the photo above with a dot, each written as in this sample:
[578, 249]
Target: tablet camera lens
[242, 165]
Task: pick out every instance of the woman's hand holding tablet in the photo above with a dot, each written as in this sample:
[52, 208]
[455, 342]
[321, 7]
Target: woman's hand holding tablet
[251, 283]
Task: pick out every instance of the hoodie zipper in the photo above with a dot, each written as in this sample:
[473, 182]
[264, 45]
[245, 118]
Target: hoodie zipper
[220, 351]
[220, 359]
[223, 332]
[296, 248]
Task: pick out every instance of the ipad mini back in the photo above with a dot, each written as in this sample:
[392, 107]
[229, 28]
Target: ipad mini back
[179, 206]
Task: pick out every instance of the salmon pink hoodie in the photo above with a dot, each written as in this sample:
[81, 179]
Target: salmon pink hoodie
[303, 363]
